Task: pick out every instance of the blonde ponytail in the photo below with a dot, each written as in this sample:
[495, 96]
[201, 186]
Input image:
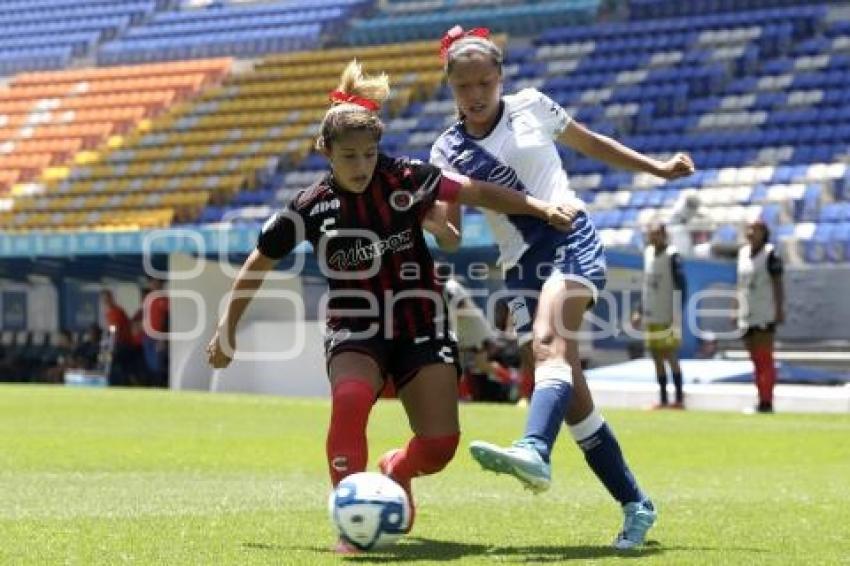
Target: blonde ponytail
[355, 104]
[353, 81]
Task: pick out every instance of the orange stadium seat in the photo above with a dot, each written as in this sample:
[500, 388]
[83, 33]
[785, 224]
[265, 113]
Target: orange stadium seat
[78, 110]
[8, 177]
[26, 163]
[203, 149]
[95, 130]
[216, 68]
[179, 83]
[121, 117]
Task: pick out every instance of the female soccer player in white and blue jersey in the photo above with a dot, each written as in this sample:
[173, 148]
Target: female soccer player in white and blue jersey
[510, 139]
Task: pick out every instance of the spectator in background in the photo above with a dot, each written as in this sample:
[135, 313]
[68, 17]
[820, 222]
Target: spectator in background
[505, 366]
[689, 226]
[707, 346]
[760, 307]
[491, 359]
[140, 373]
[118, 322]
[155, 324]
[472, 328]
[663, 290]
[61, 358]
[87, 353]
[525, 361]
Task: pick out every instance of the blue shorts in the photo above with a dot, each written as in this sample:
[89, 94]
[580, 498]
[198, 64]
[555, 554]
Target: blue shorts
[577, 255]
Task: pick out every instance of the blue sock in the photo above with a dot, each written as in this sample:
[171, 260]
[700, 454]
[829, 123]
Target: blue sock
[603, 455]
[546, 414]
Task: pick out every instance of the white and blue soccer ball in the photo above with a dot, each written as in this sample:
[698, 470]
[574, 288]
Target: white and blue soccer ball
[369, 510]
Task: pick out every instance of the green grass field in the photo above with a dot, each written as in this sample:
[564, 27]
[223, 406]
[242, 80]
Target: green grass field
[152, 477]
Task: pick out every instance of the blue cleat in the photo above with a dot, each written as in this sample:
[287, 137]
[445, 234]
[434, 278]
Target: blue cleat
[520, 460]
[638, 519]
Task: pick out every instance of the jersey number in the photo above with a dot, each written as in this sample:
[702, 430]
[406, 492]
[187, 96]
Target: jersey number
[327, 227]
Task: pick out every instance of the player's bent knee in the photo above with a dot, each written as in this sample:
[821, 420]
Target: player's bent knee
[542, 346]
[352, 389]
[437, 451]
[553, 370]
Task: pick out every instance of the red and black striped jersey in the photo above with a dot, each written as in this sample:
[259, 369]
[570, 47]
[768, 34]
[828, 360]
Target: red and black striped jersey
[370, 246]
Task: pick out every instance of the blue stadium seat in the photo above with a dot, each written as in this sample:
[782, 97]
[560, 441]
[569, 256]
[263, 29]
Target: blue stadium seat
[638, 199]
[836, 247]
[726, 233]
[628, 218]
[806, 209]
[841, 187]
[771, 214]
[814, 249]
[830, 213]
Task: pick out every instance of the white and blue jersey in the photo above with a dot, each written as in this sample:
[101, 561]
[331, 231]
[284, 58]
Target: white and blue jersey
[519, 152]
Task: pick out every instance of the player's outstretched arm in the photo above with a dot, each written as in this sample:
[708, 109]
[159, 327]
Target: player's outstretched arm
[222, 346]
[617, 155]
[509, 201]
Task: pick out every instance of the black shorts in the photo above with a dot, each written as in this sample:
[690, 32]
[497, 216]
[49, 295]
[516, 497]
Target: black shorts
[769, 327]
[400, 359]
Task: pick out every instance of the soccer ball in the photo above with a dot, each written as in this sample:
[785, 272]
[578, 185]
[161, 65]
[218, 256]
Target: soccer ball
[369, 510]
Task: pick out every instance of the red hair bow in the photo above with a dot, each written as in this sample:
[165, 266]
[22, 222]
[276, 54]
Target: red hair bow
[457, 33]
[339, 96]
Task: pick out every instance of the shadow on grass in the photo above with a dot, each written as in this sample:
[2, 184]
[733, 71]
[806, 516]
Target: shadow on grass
[266, 546]
[415, 549]
[428, 549]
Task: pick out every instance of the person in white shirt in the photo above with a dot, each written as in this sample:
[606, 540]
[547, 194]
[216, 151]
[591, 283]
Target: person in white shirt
[760, 307]
[554, 278]
[662, 305]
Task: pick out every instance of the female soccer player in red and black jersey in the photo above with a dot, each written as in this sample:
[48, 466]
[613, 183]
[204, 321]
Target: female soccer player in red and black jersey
[386, 316]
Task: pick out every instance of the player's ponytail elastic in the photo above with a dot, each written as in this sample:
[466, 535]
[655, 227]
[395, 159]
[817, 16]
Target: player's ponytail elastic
[354, 105]
[457, 44]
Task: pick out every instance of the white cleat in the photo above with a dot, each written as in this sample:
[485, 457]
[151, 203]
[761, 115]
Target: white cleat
[638, 519]
[519, 460]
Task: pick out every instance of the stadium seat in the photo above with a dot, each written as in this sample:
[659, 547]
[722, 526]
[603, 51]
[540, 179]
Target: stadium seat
[48, 35]
[86, 108]
[815, 248]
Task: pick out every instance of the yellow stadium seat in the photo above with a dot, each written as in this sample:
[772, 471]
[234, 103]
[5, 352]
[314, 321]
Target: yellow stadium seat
[55, 173]
[264, 113]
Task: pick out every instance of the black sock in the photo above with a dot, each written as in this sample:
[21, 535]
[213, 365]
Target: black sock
[662, 384]
[677, 381]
